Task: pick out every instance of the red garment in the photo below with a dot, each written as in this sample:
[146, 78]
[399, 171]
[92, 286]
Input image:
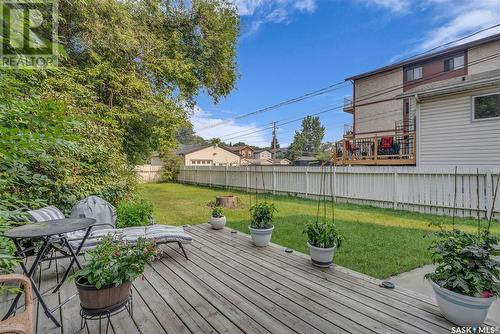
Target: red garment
[386, 142]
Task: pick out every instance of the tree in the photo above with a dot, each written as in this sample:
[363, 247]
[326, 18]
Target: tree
[215, 141]
[307, 141]
[145, 61]
[326, 151]
[187, 136]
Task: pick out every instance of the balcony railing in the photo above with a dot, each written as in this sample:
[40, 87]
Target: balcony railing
[348, 130]
[390, 149]
[348, 103]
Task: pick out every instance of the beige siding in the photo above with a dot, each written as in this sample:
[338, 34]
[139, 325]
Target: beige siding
[212, 155]
[448, 136]
[476, 58]
[381, 115]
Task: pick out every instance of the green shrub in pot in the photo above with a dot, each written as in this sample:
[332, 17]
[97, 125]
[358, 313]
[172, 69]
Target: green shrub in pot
[218, 220]
[261, 227]
[324, 239]
[106, 277]
[466, 278]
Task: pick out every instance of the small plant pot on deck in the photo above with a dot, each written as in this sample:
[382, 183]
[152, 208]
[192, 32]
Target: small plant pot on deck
[261, 236]
[321, 257]
[462, 310]
[217, 223]
[97, 299]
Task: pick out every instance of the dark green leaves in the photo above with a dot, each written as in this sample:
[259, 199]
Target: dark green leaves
[464, 262]
[262, 215]
[323, 234]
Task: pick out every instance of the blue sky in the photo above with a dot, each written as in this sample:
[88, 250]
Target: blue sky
[291, 47]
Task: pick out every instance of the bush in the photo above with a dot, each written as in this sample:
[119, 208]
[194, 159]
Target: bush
[114, 262]
[323, 234]
[133, 213]
[217, 212]
[465, 263]
[171, 167]
[262, 215]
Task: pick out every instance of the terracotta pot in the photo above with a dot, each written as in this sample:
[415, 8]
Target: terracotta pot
[105, 297]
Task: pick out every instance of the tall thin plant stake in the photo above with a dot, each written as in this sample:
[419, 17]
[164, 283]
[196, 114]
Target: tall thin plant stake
[478, 205]
[454, 199]
[490, 218]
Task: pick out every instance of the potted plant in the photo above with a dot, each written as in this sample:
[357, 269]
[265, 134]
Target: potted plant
[466, 279]
[218, 220]
[261, 227]
[323, 240]
[106, 279]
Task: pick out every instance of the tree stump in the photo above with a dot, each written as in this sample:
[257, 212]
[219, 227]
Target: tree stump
[229, 201]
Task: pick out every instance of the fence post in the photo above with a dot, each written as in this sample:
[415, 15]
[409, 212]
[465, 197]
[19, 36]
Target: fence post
[334, 184]
[307, 181]
[225, 177]
[248, 180]
[395, 191]
[274, 180]
[210, 176]
[488, 184]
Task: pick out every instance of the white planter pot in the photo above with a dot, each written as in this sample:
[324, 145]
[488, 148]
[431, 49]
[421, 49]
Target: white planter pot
[462, 310]
[217, 223]
[321, 257]
[261, 236]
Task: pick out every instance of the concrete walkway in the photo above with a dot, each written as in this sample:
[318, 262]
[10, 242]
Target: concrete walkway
[414, 280]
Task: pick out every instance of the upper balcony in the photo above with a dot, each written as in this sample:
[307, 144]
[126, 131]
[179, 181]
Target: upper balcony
[348, 104]
[396, 148]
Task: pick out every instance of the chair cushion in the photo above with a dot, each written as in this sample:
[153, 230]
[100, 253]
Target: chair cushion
[157, 233]
[44, 214]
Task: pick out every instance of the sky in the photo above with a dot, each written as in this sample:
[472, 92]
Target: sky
[288, 48]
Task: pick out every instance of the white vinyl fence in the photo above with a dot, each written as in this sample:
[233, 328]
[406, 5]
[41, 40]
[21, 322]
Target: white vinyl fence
[426, 190]
[149, 173]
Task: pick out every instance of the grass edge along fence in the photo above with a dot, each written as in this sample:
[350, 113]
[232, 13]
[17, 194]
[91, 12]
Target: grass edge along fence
[424, 190]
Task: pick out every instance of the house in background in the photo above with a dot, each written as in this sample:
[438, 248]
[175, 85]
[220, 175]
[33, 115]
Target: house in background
[438, 109]
[208, 155]
[262, 154]
[243, 151]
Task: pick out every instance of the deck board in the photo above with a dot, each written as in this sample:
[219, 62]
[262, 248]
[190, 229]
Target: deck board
[230, 286]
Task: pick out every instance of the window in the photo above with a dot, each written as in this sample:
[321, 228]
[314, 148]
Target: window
[486, 106]
[414, 73]
[454, 63]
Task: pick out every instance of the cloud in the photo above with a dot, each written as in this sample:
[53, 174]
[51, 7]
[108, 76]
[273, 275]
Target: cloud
[260, 12]
[395, 6]
[452, 19]
[202, 120]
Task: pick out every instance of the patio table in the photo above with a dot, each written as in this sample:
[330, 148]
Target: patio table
[52, 233]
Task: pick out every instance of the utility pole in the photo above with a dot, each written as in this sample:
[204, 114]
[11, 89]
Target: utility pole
[275, 140]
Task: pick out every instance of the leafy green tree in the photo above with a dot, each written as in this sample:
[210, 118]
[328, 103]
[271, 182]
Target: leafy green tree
[187, 136]
[326, 151]
[307, 141]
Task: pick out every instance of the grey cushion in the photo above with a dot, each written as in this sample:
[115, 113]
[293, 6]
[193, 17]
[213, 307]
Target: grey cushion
[157, 233]
[44, 214]
[95, 207]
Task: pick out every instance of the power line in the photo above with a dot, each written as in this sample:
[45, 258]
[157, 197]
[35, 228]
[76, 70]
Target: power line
[366, 96]
[332, 87]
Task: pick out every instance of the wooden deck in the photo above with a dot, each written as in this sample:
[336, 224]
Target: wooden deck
[230, 286]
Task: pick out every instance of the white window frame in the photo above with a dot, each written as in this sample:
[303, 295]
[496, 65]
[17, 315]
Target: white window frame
[454, 66]
[412, 69]
[473, 116]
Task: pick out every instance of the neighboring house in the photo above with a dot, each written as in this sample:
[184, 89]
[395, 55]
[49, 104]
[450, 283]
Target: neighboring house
[208, 155]
[263, 154]
[438, 109]
[243, 151]
[257, 162]
[281, 162]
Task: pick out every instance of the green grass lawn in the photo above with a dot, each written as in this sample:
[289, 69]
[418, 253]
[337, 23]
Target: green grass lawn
[378, 242]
